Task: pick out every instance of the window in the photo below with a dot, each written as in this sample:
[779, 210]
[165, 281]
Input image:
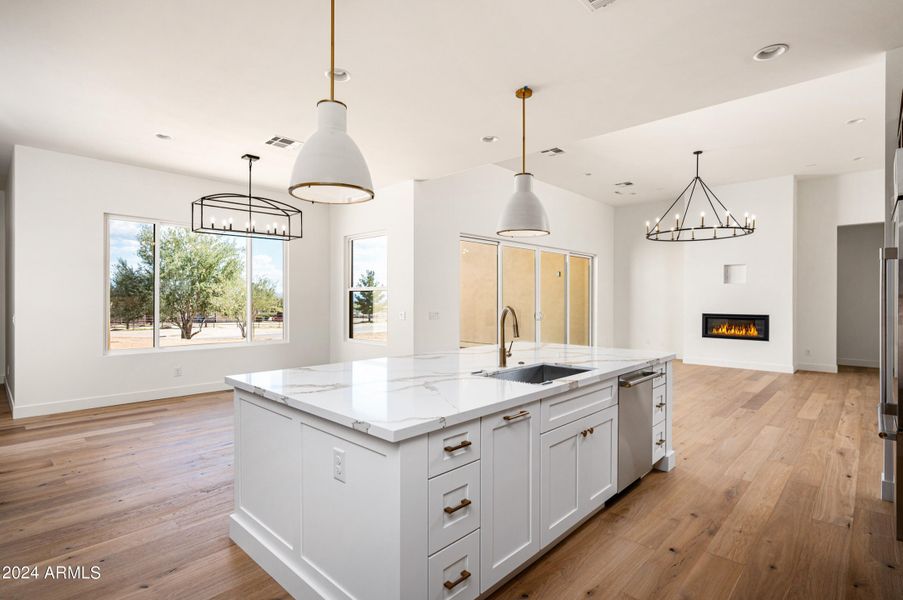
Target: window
[549, 290]
[131, 292]
[368, 313]
[169, 287]
[479, 292]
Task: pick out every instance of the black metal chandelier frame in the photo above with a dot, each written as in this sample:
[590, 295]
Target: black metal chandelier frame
[727, 226]
[246, 206]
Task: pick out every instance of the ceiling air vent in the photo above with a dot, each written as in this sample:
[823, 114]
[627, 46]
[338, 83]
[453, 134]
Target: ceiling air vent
[552, 152]
[283, 142]
[624, 184]
[593, 5]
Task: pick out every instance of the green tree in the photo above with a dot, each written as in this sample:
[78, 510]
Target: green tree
[131, 292]
[366, 303]
[233, 301]
[196, 272]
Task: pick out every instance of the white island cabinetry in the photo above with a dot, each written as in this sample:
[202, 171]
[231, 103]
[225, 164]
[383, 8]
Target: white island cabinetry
[337, 506]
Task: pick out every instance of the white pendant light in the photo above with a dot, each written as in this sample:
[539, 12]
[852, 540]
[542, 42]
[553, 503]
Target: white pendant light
[330, 167]
[523, 215]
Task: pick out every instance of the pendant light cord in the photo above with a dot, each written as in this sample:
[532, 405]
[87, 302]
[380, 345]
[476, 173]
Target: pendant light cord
[332, 50]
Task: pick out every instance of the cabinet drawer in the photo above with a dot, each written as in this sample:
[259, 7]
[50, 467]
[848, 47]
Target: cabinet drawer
[454, 505]
[454, 447]
[659, 404]
[659, 442]
[454, 573]
[568, 407]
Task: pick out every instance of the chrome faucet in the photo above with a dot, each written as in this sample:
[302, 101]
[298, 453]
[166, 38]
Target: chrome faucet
[504, 353]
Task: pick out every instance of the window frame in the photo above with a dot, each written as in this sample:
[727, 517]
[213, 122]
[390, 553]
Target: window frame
[350, 288]
[158, 224]
[537, 271]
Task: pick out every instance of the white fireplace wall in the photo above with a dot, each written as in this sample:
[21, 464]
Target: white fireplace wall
[769, 256]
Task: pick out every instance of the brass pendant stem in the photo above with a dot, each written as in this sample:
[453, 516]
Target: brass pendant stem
[332, 50]
[523, 134]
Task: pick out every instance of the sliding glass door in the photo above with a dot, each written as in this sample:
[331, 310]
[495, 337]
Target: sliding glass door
[550, 291]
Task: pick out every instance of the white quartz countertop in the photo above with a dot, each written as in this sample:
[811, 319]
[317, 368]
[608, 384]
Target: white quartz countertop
[402, 397]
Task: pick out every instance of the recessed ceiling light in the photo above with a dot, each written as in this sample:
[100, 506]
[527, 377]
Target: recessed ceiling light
[588, 174]
[770, 52]
[489, 139]
[163, 136]
[811, 165]
[340, 74]
[856, 121]
[858, 158]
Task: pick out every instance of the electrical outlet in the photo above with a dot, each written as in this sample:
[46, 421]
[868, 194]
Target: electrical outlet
[434, 316]
[338, 464]
[177, 372]
[402, 316]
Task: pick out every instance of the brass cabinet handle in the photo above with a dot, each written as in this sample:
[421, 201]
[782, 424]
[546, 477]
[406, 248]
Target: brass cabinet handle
[584, 432]
[592, 430]
[450, 584]
[452, 509]
[463, 444]
[660, 442]
[518, 415]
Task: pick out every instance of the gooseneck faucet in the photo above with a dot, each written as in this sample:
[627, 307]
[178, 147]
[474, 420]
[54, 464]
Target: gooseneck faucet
[504, 353]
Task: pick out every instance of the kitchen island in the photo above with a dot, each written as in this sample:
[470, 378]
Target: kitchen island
[424, 476]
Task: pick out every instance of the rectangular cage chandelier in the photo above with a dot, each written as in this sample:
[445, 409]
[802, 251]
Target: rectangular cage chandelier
[246, 215]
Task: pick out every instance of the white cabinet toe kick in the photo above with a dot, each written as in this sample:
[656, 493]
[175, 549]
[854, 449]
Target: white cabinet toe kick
[332, 512]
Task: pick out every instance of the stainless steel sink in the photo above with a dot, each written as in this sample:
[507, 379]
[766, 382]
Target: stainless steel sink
[541, 373]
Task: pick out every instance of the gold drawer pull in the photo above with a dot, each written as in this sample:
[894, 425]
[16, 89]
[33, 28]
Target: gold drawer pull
[452, 509]
[523, 413]
[463, 444]
[464, 576]
[660, 442]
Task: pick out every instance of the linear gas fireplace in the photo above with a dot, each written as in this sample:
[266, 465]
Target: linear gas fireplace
[735, 327]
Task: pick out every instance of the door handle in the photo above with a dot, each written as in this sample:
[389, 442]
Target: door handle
[518, 415]
[465, 574]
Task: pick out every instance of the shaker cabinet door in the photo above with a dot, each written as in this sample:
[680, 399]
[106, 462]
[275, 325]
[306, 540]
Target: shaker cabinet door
[509, 486]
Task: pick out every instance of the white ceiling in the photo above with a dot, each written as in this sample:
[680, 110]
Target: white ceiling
[797, 130]
[429, 78]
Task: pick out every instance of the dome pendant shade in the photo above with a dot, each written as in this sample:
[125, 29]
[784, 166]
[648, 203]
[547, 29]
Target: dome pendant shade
[523, 215]
[330, 167]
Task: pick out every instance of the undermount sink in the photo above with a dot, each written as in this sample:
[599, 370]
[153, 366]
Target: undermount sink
[541, 373]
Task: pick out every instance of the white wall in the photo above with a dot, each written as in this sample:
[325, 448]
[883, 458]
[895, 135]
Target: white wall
[9, 276]
[59, 206]
[857, 294]
[470, 203]
[3, 325]
[648, 283]
[392, 213]
[769, 258]
[824, 204]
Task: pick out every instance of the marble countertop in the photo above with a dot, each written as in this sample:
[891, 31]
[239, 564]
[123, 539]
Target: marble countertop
[402, 397]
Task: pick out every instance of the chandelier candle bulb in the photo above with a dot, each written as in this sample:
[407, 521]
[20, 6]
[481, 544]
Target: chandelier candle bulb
[702, 219]
[647, 227]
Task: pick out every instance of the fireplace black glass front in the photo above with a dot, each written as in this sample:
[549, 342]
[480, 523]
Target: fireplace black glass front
[735, 327]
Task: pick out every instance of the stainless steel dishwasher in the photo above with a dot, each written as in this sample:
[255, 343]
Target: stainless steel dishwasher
[634, 426]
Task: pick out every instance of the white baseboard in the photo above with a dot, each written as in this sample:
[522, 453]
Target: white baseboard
[50, 408]
[858, 362]
[736, 364]
[819, 368]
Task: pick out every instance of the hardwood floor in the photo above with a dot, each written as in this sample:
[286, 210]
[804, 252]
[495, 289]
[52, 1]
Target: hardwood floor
[775, 496]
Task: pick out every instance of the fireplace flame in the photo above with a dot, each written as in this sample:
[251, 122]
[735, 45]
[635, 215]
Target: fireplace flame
[735, 330]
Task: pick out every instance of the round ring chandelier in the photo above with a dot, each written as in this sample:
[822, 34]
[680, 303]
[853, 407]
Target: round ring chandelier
[724, 226]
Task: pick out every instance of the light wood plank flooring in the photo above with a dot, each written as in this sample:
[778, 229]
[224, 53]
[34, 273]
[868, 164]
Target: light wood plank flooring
[774, 496]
